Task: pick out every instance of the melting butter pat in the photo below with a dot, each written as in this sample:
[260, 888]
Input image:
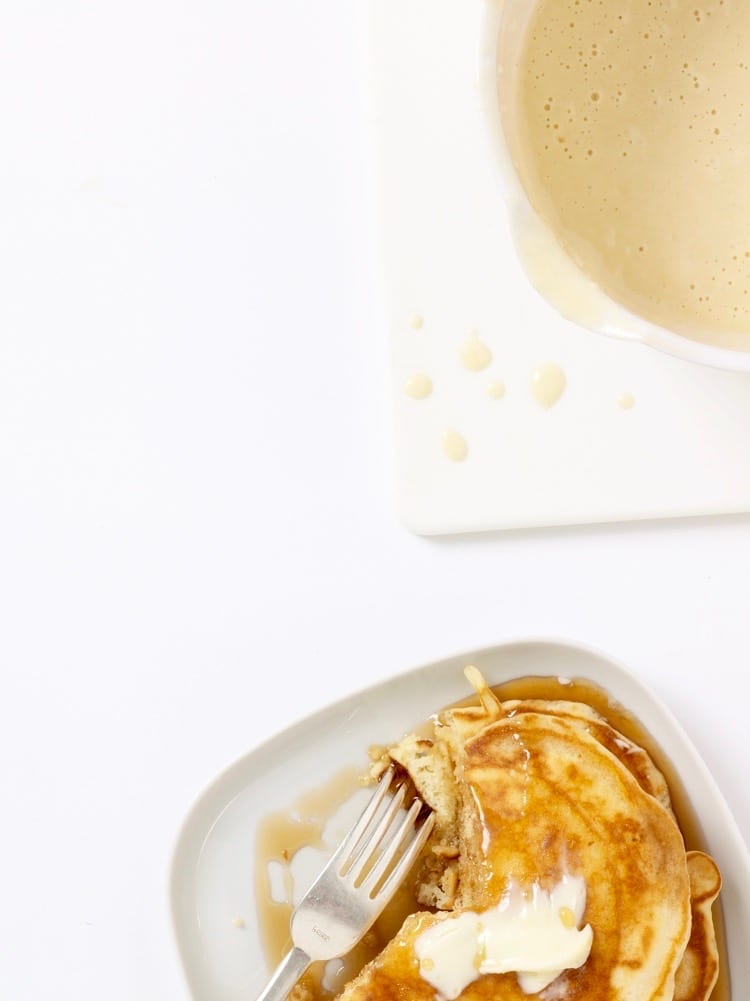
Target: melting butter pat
[532, 932]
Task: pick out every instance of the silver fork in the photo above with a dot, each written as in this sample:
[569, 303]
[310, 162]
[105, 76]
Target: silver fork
[356, 884]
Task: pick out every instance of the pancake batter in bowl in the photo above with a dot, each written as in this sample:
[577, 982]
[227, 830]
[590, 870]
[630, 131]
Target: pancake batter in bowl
[634, 146]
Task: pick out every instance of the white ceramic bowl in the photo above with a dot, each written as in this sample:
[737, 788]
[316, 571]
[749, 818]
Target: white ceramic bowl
[553, 273]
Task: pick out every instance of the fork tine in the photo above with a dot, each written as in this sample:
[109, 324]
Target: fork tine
[372, 842]
[392, 848]
[354, 836]
[409, 857]
[336, 912]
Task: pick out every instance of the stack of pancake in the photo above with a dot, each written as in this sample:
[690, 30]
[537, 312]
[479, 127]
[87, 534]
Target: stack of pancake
[526, 794]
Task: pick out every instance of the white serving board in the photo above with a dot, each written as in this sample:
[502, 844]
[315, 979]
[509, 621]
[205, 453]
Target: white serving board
[448, 257]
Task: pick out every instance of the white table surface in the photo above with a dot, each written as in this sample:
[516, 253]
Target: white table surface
[197, 536]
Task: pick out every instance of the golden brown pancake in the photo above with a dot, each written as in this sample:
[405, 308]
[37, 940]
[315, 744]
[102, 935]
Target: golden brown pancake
[431, 764]
[526, 791]
[540, 798]
[699, 969]
[466, 721]
[550, 800]
[635, 758]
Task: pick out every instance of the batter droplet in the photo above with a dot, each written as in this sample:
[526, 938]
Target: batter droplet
[626, 401]
[547, 384]
[454, 445]
[416, 322]
[475, 355]
[418, 386]
[496, 389]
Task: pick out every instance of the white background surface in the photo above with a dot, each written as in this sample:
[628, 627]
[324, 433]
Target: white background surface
[197, 536]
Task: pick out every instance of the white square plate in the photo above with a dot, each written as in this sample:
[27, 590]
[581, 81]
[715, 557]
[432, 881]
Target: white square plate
[212, 870]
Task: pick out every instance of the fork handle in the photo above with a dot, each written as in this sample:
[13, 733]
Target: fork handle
[287, 973]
